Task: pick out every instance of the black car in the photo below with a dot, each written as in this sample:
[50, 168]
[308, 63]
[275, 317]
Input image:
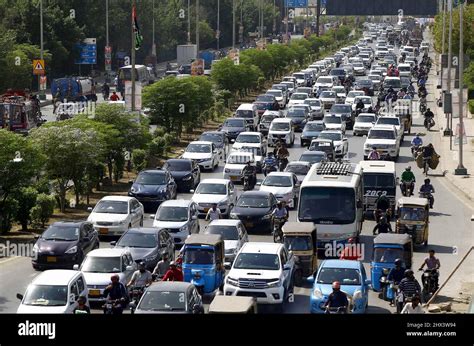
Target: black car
[254, 209]
[185, 172]
[365, 84]
[299, 116]
[232, 127]
[147, 245]
[153, 186]
[266, 102]
[345, 111]
[64, 244]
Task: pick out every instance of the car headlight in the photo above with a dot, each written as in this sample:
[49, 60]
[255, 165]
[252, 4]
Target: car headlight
[227, 170]
[187, 178]
[222, 204]
[134, 190]
[357, 295]
[274, 283]
[234, 216]
[317, 294]
[266, 217]
[185, 228]
[232, 281]
[123, 222]
[72, 250]
[36, 248]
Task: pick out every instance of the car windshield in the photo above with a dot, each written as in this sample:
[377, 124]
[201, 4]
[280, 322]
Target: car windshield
[267, 118]
[365, 100]
[234, 123]
[193, 255]
[198, 148]
[328, 94]
[253, 202]
[297, 169]
[374, 77]
[178, 166]
[300, 96]
[312, 158]
[265, 98]
[358, 64]
[111, 207]
[280, 127]
[394, 83]
[404, 68]
[61, 233]
[211, 137]
[353, 94]
[163, 301]
[298, 75]
[151, 178]
[211, 189]
[365, 119]
[94, 264]
[381, 134]
[226, 232]
[254, 150]
[379, 180]
[172, 213]
[388, 121]
[239, 158]
[341, 109]
[46, 295]
[313, 103]
[324, 80]
[274, 93]
[140, 240]
[247, 139]
[412, 214]
[387, 255]
[327, 205]
[332, 120]
[314, 127]
[257, 261]
[345, 276]
[298, 243]
[296, 113]
[365, 82]
[242, 113]
[337, 72]
[275, 180]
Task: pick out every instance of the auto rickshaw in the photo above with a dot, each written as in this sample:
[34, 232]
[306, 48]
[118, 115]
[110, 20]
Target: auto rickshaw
[203, 262]
[301, 239]
[387, 248]
[413, 219]
[233, 305]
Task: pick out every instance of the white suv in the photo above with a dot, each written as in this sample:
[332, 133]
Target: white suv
[385, 139]
[263, 270]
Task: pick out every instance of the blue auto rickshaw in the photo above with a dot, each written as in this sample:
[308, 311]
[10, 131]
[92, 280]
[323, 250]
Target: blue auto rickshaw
[203, 262]
[387, 248]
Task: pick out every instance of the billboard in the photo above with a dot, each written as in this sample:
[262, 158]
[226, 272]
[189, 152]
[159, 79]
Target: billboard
[425, 8]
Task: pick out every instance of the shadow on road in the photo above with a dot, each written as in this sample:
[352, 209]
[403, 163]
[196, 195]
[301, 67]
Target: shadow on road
[436, 213]
[437, 248]
[378, 310]
[3, 301]
[405, 159]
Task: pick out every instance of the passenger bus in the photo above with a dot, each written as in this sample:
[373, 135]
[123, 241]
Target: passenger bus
[142, 75]
[331, 196]
[380, 179]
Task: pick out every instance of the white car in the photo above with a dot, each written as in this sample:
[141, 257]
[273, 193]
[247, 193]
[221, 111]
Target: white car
[376, 80]
[367, 100]
[252, 138]
[281, 128]
[300, 78]
[291, 87]
[264, 270]
[204, 153]
[363, 123]
[284, 185]
[258, 151]
[340, 92]
[99, 265]
[236, 161]
[340, 142]
[404, 70]
[279, 97]
[328, 98]
[297, 98]
[352, 95]
[385, 139]
[359, 69]
[392, 121]
[113, 215]
[334, 122]
[324, 82]
[300, 168]
[316, 106]
[219, 191]
[53, 292]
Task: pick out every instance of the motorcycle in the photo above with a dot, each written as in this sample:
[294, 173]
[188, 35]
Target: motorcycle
[407, 188]
[277, 229]
[269, 168]
[429, 283]
[402, 299]
[282, 163]
[338, 310]
[113, 307]
[248, 182]
[136, 294]
[429, 122]
[415, 150]
[429, 197]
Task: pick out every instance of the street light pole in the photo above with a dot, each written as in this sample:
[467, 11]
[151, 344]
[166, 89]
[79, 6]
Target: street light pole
[153, 47]
[218, 33]
[189, 21]
[444, 5]
[41, 92]
[197, 29]
[449, 131]
[107, 22]
[274, 18]
[233, 23]
[133, 56]
[461, 170]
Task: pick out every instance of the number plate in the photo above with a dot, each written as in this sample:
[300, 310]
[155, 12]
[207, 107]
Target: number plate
[103, 230]
[234, 178]
[94, 293]
[51, 259]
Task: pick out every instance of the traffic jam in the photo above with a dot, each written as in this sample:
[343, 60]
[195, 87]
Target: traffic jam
[315, 198]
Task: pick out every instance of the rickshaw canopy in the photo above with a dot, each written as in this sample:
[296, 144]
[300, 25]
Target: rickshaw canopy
[298, 227]
[392, 238]
[418, 202]
[204, 239]
[232, 304]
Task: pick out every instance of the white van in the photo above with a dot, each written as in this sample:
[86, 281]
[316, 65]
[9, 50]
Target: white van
[248, 111]
[53, 292]
[281, 128]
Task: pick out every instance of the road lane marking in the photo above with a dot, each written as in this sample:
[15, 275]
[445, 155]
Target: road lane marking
[10, 259]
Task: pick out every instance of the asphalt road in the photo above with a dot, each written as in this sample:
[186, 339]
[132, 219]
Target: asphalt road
[449, 229]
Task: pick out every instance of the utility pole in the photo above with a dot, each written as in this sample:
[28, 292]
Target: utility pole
[189, 21]
[153, 47]
[318, 13]
[107, 22]
[443, 8]
[233, 23]
[274, 18]
[42, 96]
[287, 19]
[133, 56]
[261, 19]
[241, 26]
[461, 170]
[307, 15]
[218, 33]
[448, 131]
[197, 29]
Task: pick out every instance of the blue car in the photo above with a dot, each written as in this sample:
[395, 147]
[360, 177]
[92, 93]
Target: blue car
[353, 279]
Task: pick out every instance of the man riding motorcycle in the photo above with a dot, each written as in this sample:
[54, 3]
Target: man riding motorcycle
[408, 288]
[407, 178]
[282, 155]
[116, 294]
[396, 275]
[374, 154]
[416, 143]
[382, 226]
[250, 172]
[337, 299]
[432, 265]
[280, 216]
[429, 116]
[427, 190]
[270, 164]
[140, 279]
[382, 208]
[428, 152]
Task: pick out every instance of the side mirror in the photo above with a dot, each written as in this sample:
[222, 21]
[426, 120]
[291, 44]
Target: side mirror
[132, 306]
[86, 239]
[75, 267]
[310, 279]
[344, 139]
[359, 204]
[72, 298]
[19, 296]
[191, 191]
[89, 209]
[130, 181]
[286, 267]
[152, 216]
[37, 236]
[227, 266]
[258, 183]
[113, 243]
[194, 217]
[368, 282]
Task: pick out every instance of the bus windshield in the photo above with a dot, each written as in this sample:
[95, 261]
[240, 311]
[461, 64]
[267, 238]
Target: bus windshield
[386, 180]
[327, 205]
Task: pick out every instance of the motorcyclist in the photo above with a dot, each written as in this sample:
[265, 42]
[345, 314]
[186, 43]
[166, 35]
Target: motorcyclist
[81, 307]
[427, 188]
[370, 110]
[116, 292]
[162, 266]
[141, 277]
[282, 155]
[407, 177]
[360, 106]
[382, 208]
[416, 142]
[411, 88]
[428, 116]
[280, 212]
[337, 299]
[413, 307]
[396, 274]
[374, 154]
[409, 287]
[174, 273]
[382, 226]
[251, 172]
[432, 263]
[270, 163]
[428, 152]
[105, 91]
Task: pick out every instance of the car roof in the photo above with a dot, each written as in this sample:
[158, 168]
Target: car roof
[179, 160]
[255, 193]
[375, 166]
[384, 127]
[246, 106]
[299, 163]
[251, 133]
[318, 122]
[283, 174]
[175, 286]
[336, 263]
[147, 230]
[281, 120]
[392, 238]
[201, 142]
[313, 152]
[205, 239]
[69, 223]
[176, 203]
[242, 119]
[117, 198]
[261, 247]
[225, 222]
[213, 132]
[114, 252]
[55, 277]
[214, 181]
[413, 201]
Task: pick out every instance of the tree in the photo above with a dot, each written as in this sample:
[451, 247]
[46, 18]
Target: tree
[225, 73]
[26, 197]
[260, 58]
[43, 210]
[282, 56]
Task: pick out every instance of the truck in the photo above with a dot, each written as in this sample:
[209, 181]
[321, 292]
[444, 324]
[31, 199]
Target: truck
[185, 53]
[208, 56]
[74, 88]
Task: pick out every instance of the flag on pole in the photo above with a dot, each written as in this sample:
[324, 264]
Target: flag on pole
[136, 29]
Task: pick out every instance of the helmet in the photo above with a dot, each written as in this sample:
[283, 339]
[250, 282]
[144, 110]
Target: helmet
[408, 168]
[408, 272]
[172, 263]
[427, 181]
[398, 262]
[82, 299]
[374, 148]
[427, 109]
[336, 284]
[141, 264]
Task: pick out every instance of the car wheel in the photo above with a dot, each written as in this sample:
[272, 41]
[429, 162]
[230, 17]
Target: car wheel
[141, 222]
[129, 225]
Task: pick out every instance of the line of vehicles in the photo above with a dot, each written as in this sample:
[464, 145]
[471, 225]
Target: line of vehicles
[331, 197]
